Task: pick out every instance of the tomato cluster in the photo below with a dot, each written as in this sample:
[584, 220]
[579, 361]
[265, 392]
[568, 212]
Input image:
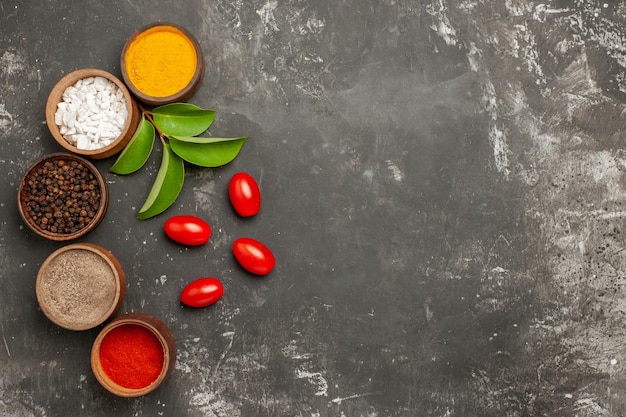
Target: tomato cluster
[252, 255]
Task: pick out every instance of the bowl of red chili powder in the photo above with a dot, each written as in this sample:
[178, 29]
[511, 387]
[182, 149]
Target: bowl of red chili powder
[133, 354]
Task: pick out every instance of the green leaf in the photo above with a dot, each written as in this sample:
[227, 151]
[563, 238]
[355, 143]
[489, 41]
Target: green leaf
[137, 151]
[207, 152]
[182, 119]
[167, 185]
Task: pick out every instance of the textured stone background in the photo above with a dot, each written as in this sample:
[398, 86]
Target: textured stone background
[443, 187]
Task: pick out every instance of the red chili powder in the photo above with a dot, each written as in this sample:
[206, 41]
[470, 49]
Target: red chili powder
[131, 356]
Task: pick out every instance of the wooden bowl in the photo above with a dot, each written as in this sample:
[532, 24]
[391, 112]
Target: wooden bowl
[56, 96]
[80, 286]
[132, 354]
[38, 201]
[137, 40]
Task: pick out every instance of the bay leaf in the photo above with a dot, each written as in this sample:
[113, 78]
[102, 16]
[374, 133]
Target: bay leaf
[166, 186]
[207, 152]
[182, 119]
[137, 151]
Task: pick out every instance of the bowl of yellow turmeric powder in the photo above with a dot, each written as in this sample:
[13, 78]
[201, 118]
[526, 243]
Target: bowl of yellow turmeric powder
[162, 63]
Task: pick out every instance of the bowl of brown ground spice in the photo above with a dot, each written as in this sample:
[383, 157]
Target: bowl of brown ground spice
[162, 63]
[80, 286]
[62, 197]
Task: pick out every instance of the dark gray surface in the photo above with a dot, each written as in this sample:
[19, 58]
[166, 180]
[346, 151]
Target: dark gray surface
[443, 188]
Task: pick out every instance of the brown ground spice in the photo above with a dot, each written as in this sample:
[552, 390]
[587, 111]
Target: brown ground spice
[78, 288]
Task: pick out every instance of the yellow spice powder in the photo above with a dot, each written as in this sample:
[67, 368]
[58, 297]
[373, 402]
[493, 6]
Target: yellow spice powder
[161, 61]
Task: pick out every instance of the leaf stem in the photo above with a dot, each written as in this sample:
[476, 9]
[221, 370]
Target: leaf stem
[148, 116]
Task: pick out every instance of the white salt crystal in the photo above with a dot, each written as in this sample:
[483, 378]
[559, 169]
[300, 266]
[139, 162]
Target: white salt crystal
[100, 83]
[120, 120]
[70, 118]
[81, 141]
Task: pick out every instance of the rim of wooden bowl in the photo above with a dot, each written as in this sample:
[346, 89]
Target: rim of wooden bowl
[184, 94]
[118, 276]
[61, 237]
[160, 331]
[56, 95]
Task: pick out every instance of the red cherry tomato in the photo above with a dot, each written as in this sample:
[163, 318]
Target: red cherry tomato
[253, 256]
[188, 230]
[202, 292]
[244, 194]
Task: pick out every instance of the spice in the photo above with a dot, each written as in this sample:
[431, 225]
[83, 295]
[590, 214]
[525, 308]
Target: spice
[92, 113]
[131, 356]
[161, 61]
[62, 197]
[77, 289]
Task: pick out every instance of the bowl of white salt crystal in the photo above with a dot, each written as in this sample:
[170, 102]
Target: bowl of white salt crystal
[90, 112]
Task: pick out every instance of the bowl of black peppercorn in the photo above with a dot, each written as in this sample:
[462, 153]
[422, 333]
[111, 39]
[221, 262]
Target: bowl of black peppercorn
[62, 197]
